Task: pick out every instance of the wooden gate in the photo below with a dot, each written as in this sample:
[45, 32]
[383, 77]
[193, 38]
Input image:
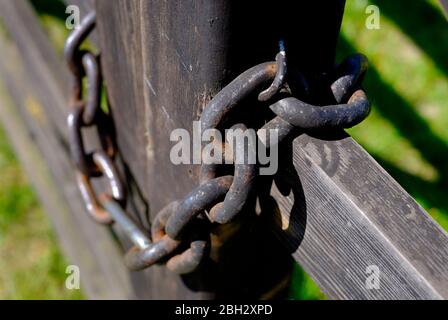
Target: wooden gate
[335, 210]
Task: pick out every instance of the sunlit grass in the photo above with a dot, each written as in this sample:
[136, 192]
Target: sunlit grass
[303, 287]
[408, 85]
[31, 264]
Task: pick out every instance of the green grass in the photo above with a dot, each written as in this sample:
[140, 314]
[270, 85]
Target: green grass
[31, 263]
[407, 82]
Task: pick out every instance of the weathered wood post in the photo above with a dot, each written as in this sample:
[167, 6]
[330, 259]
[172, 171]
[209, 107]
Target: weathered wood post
[332, 207]
[162, 62]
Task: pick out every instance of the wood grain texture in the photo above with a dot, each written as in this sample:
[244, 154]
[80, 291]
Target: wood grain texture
[162, 62]
[349, 214]
[336, 211]
[35, 79]
[146, 107]
[41, 61]
[341, 213]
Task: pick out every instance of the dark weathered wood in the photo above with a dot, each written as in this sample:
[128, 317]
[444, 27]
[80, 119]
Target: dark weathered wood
[34, 77]
[345, 213]
[164, 60]
[125, 43]
[338, 210]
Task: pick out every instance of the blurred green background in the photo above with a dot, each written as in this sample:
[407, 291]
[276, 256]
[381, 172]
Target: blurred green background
[407, 133]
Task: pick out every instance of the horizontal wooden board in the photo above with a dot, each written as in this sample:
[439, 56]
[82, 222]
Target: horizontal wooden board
[342, 215]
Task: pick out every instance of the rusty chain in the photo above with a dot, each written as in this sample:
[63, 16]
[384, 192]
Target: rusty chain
[180, 231]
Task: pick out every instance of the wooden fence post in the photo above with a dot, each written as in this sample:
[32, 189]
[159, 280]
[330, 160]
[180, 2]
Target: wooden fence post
[162, 62]
[331, 207]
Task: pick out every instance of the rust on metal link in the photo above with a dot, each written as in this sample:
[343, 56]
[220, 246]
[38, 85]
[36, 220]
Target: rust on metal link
[138, 259]
[84, 113]
[163, 247]
[159, 223]
[188, 260]
[243, 85]
[198, 200]
[91, 199]
[243, 181]
[80, 157]
[228, 98]
[180, 235]
[158, 234]
[279, 79]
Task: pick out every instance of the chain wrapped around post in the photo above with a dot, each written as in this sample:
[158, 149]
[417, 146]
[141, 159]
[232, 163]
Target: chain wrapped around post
[179, 237]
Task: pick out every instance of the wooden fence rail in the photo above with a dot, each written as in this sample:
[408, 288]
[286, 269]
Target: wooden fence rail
[333, 208]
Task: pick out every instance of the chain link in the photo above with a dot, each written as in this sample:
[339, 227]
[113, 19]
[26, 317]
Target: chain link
[180, 235]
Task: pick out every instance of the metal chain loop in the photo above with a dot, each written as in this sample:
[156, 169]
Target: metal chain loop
[180, 231]
[107, 207]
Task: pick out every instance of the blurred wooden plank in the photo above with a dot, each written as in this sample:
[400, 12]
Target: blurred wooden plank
[40, 60]
[71, 240]
[35, 83]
